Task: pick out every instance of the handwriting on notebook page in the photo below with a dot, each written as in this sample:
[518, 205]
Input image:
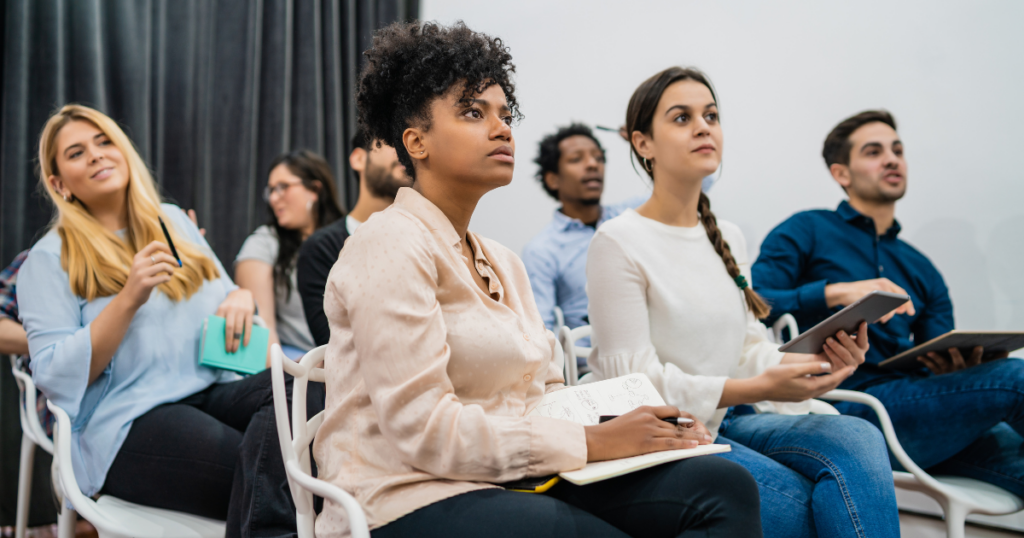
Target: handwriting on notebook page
[585, 404]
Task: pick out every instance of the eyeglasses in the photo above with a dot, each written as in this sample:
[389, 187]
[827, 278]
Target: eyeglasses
[277, 189]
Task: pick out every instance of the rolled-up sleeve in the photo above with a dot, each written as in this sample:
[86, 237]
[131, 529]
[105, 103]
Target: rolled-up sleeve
[59, 344]
[622, 334]
[405, 370]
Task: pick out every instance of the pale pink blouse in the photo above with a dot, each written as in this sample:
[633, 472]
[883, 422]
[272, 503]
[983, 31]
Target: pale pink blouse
[428, 378]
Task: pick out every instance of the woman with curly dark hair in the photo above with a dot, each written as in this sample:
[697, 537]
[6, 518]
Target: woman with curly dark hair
[438, 352]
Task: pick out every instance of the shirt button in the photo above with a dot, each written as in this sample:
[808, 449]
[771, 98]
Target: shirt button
[479, 266]
[526, 336]
[527, 377]
[881, 269]
[494, 286]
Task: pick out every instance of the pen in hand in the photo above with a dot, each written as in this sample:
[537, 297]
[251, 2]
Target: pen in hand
[170, 243]
[675, 421]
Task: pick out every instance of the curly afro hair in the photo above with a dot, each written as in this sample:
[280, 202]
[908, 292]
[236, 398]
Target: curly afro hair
[411, 64]
[548, 153]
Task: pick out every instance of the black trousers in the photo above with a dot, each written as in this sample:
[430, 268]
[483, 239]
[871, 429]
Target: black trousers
[213, 454]
[707, 496]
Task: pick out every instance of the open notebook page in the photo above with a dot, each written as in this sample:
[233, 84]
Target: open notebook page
[584, 404]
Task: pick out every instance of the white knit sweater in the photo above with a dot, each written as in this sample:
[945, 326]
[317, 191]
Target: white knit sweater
[663, 304]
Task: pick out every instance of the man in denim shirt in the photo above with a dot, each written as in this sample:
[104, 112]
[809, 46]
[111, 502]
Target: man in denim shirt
[571, 171]
[960, 413]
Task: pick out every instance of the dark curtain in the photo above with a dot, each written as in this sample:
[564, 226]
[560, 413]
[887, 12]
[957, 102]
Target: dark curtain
[210, 91]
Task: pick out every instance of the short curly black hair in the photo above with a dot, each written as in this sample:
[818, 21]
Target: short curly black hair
[548, 153]
[411, 64]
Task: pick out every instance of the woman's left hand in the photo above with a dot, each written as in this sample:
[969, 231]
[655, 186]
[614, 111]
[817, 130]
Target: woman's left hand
[237, 309]
[840, 351]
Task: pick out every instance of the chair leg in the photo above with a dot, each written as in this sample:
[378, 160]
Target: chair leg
[956, 518]
[28, 455]
[66, 522]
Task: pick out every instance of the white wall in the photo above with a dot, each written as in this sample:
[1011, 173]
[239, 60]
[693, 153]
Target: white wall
[786, 72]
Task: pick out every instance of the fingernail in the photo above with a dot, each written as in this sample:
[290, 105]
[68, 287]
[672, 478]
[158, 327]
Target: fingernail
[707, 437]
[826, 366]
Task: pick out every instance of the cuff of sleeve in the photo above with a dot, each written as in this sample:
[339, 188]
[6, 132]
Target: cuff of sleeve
[698, 396]
[812, 297]
[556, 446]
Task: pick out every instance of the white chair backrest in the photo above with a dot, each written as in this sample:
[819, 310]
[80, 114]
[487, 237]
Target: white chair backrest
[30, 425]
[568, 338]
[785, 321]
[295, 443]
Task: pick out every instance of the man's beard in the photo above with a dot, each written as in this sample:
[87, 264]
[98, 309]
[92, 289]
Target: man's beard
[874, 192]
[590, 201]
[381, 180]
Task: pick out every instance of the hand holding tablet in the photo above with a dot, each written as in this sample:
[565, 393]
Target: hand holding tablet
[870, 308]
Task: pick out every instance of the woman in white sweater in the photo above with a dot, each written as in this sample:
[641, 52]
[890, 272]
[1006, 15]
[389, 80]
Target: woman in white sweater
[669, 298]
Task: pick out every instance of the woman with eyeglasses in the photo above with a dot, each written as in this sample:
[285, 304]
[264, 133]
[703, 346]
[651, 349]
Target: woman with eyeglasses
[301, 196]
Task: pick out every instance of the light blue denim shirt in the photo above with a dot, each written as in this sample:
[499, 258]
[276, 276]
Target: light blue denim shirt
[556, 261]
[156, 363]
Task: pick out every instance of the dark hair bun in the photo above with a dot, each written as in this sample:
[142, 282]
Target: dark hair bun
[411, 64]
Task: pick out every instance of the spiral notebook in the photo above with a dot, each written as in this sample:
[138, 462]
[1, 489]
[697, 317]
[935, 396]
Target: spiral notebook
[251, 359]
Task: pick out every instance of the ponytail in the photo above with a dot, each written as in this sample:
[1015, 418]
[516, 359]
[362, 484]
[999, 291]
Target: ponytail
[755, 303]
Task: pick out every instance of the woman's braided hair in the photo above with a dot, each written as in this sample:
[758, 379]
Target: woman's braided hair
[639, 117]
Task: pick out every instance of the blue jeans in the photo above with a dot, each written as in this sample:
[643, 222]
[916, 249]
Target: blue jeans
[818, 475]
[967, 423]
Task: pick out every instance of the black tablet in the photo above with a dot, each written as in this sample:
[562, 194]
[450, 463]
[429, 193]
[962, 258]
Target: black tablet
[993, 341]
[869, 308]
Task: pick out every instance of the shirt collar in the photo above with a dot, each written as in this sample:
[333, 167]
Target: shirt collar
[431, 216]
[854, 217]
[565, 222]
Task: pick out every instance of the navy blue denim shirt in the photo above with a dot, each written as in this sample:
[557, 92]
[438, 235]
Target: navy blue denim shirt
[814, 248]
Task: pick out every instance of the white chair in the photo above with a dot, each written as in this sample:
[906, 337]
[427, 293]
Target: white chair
[295, 443]
[32, 434]
[957, 496]
[559, 320]
[111, 516]
[785, 321]
[568, 338]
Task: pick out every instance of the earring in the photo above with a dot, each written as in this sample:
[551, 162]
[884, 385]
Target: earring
[309, 205]
[65, 197]
[647, 164]
[422, 152]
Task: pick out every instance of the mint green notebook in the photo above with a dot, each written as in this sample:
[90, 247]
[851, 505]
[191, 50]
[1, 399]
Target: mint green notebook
[250, 359]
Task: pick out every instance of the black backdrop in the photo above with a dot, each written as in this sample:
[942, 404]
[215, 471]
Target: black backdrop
[209, 90]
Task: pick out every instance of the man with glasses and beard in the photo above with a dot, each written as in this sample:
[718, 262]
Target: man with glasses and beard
[380, 177]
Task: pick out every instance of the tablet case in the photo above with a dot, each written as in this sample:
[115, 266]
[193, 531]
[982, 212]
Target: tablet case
[251, 359]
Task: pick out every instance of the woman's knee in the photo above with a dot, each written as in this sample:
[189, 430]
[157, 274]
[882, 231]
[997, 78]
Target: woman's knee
[852, 435]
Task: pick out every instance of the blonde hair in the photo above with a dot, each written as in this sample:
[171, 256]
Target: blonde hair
[96, 259]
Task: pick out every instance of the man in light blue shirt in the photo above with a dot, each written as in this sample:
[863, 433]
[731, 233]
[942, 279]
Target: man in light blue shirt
[571, 171]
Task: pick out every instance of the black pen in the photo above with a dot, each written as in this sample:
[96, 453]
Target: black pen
[169, 242]
[675, 421]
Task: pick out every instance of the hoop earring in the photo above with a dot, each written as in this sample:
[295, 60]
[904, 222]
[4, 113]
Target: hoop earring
[647, 164]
